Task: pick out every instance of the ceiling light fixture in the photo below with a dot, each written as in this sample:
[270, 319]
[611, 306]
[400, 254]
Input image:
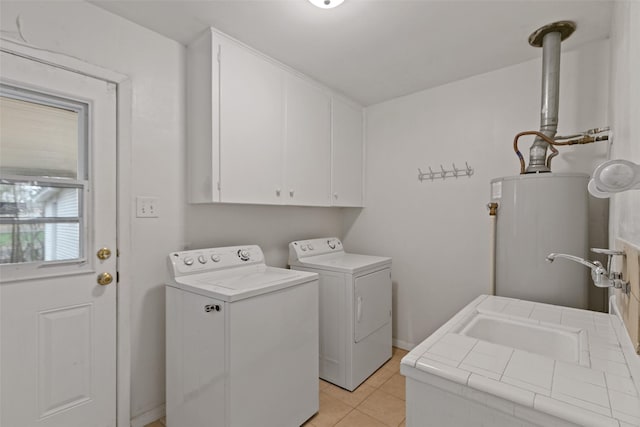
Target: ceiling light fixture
[326, 4]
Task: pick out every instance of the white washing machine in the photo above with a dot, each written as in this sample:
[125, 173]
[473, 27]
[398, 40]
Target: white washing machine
[242, 340]
[355, 309]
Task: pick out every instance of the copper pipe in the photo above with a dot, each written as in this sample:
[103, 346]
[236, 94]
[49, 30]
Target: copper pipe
[529, 132]
[583, 139]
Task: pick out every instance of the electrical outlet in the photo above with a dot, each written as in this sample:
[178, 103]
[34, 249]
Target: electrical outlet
[147, 207]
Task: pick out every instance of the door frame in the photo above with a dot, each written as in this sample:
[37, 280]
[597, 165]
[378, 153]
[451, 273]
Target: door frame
[123, 204]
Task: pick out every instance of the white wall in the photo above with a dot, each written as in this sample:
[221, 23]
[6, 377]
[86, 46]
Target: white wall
[437, 232]
[270, 227]
[156, 66]
[625, 114]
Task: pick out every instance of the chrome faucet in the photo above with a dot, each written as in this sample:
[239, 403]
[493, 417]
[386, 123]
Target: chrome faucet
[600, 276]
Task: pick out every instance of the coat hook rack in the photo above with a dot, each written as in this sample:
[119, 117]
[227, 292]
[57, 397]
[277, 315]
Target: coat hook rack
[445, 173]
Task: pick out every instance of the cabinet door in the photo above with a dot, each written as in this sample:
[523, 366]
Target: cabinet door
[347, 155]
[251, 126]
[203, 120]
[308, 144]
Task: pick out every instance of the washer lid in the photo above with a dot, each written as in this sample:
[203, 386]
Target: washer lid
[239, 283]
[344, 262]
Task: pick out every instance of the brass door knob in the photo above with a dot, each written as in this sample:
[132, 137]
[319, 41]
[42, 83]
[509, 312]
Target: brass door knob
[104, 253]
[104, 279]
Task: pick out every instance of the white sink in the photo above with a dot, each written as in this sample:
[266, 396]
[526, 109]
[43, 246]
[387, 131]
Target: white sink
[498, 363]
[557, 343]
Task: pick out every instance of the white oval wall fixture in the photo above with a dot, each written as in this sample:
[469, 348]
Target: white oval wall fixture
[326, 4]
[614, 176]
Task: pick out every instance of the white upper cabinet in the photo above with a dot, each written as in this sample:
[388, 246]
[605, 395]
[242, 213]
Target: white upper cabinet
[251, 126]
[347, 154]
[308, 143]
[203, 120]
[258, 132]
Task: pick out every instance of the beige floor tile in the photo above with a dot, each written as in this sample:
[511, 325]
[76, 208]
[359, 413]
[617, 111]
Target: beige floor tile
[380, 376]
[356, 418]
[351, 398]
[384, 407]
[309, 423]
[399, 352]
[395, 386]
[403, 423]
[331, 411]
[324, 384]
[155, 424]
[394, 364]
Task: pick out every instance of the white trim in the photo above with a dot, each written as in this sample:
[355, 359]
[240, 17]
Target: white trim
[123, 177]
[59, 60]
[402, 344]
[123, 120]
[148, 417]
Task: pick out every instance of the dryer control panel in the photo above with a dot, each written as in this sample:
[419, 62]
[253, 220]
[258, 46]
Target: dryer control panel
[306, 248]
[202, 260]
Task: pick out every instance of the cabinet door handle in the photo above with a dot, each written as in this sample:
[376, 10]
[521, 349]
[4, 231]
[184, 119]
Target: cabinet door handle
[359, 309]
[278, 192]
[291, 193]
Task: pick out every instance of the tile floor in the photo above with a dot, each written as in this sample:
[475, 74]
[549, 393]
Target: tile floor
[378, 402]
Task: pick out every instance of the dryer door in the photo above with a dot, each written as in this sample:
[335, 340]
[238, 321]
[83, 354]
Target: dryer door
[372, 303]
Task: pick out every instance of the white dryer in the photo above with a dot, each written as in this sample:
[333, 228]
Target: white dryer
[355, 309]
[242, 340]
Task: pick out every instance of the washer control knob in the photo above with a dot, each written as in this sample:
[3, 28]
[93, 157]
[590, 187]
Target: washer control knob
[303, 247]
[188, 261]
[244, 254]
[215, 258]
[331, 243]
[202, 259]
[310, 247]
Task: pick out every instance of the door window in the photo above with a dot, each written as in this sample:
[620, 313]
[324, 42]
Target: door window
[43, 177]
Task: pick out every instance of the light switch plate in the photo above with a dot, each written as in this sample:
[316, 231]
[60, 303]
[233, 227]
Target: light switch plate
[147, 207]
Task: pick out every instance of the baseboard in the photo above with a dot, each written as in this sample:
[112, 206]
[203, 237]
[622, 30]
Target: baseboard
[402, 344]
[149, 416]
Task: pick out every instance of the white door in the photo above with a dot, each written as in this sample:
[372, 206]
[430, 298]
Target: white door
[308, 144]
[251, 127]
[57, 210]
[347, 141]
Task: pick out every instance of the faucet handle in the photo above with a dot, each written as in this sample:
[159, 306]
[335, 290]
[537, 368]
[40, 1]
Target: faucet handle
[600, 276]
[609, 252]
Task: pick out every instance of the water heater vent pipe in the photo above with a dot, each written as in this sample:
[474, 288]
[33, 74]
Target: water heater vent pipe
[549, 38]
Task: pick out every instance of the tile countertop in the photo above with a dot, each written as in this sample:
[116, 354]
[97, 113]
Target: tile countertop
[602, 390]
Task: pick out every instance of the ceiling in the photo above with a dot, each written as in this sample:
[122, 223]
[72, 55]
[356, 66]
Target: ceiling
[375, 50]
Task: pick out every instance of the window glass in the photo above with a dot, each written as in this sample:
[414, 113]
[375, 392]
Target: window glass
[42, 177]
[39, 222]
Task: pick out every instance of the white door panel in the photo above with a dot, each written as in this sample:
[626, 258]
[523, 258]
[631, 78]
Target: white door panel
[372, 300]
[347, 159]
[308, 144]
[57, 324]
[252, 127]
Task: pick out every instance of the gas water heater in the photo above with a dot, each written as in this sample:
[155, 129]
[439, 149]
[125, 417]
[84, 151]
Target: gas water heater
[539, 214]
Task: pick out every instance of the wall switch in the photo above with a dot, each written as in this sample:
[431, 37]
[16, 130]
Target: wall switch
[147, 207]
